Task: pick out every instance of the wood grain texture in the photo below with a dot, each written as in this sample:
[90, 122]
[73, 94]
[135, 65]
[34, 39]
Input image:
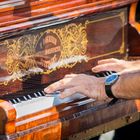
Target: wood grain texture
[104, 36]
[132, 17]
[134, 31]
[37, 57]
[78, 118]
[33, 13]
[133, 40]
[7, 117]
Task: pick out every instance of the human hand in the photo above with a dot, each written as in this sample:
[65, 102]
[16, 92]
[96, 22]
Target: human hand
[113, 64]
[87, 85]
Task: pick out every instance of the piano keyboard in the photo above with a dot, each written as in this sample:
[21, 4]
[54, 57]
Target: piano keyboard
[38, 101]
[25, 104]
[28, 97]
[104, 73]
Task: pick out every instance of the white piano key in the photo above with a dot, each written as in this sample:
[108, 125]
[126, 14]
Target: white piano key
[32, 106]
[38, 104]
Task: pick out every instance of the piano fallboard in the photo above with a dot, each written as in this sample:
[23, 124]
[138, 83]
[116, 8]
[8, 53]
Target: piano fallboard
[42, 55]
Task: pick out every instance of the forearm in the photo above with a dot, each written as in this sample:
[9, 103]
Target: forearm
[128, 85]
[135, 64]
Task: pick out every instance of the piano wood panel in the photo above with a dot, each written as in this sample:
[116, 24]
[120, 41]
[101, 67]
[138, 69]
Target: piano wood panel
[36, 57]
[134, 31]
[67, 120]
[134, 46]
[30, 14]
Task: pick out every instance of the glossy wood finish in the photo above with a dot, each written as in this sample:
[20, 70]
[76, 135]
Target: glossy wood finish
[62, 121]
[133, 40]
[38, 57]
[19, 16]
[132, 17]
[7, 117]
[104, 37]
[134, 31]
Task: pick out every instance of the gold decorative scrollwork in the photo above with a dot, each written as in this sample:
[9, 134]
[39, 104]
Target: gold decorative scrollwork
[28, 54]
[73, 39]
[22, 51]
[20, 56]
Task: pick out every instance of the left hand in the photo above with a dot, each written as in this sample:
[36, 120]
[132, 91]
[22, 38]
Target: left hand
[87, 85]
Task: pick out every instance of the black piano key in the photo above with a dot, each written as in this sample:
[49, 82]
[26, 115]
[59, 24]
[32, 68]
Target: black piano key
[97, 75]
[29, 97]
[22, 98]
[25, 98]
[43, 93]
[39, 94]
[35, 95]
[10, 101]
[13, 101]
[104, 73]
[107, 73]
[18, 100]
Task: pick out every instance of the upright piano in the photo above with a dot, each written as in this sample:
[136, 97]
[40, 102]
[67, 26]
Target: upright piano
[40, 42]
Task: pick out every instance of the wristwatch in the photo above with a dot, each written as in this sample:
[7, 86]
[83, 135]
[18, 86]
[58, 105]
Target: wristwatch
[109, 81]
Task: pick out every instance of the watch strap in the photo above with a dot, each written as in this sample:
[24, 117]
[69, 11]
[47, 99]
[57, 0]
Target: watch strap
[109, 91]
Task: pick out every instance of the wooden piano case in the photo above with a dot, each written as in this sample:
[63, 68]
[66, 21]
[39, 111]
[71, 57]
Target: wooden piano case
[40, 42]
[134, 31]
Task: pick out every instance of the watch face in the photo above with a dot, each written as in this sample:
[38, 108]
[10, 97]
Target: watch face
[111, 79]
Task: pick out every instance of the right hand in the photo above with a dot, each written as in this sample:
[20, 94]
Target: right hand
[87, 85]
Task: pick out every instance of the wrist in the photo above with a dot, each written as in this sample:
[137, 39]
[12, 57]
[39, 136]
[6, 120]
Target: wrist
[116, 89]
[109, 82]
[103, 94]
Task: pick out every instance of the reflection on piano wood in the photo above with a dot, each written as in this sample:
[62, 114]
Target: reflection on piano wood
[40, 42]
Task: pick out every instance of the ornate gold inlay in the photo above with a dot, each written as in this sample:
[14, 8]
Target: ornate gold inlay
[28, 55]
[73, 40]
[20, 55]
[49, 50]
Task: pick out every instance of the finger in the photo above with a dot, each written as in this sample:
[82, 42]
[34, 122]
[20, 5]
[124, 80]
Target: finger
[70, 75]
[59, 85]
[70, 91]
[106, 67]
[111, 60]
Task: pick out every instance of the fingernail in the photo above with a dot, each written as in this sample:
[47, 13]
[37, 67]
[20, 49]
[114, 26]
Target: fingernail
[93, 69]
[47, 90]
